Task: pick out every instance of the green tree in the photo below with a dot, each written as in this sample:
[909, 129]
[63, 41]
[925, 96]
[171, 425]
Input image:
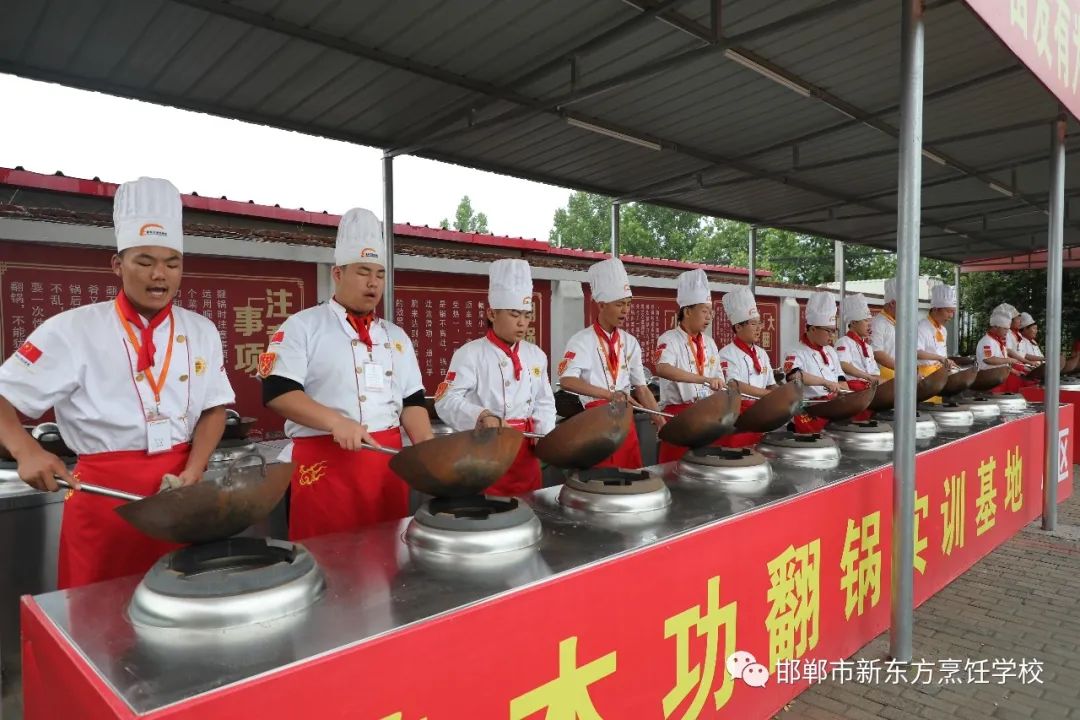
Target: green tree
[465, 219]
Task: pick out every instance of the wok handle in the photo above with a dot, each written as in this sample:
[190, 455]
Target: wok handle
[99, 490]
[533, 436]
[384, 451]
[632, 405]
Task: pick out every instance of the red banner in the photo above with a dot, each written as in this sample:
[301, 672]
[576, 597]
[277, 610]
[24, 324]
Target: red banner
[652, 633]
[443, 311]
[1044, 35]
[246, 299]
[1038, 394]
[653, 312]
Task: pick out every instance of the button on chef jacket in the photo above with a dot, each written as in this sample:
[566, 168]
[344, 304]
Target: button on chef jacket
[883, 334]
[317, 348]
[988, 347]
[82, 364]
[849, 351]
[586, 358]
[675, 348]
[481, 377]
[809, 360]
[931, 339]
[737, 365]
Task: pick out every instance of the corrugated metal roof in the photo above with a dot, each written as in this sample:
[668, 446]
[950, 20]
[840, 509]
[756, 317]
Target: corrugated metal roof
[491, 85]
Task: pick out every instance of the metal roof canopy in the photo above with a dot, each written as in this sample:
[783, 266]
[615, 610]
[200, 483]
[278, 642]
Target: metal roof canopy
[782, 113]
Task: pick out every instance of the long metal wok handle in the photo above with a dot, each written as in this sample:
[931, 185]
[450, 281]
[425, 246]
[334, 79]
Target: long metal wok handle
[632, 406]
[100, 490]
[384, 451]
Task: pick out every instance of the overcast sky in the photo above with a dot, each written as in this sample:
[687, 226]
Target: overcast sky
[46, 127]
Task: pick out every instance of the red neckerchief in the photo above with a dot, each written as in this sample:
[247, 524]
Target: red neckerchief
[1001, 344]
[862, 343]
[749, 350]
[819, 348]
[362, 325]
[146, 339]
[511, 352]
[1017, 335]
[612, 353]
[698, 341]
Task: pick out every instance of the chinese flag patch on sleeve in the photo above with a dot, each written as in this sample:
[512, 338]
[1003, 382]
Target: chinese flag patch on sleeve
[789, 363]
[29, 353]
[987, 352]
[659, 351]
[565, 361]
[278, 338]
[841, 348]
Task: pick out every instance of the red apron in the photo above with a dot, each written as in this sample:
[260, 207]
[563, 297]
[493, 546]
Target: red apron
[524, 475]
[629, 453]
[741, 439]
[669, 452]
[336, 490]
[855, 386]
[96, 543]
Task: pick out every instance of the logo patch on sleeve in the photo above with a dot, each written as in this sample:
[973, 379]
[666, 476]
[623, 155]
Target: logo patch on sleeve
[278, 338]
[987, 352]
[841, 348]
[267, 361]
[660, 351]
[565, 363]
[789, 363]
[444, 385]
[29, 353]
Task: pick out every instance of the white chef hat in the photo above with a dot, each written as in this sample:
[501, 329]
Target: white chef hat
[1000, 318]
[1026, 319]
[855, 308]
[943, 296]
[360, 239]
[1007, 309]
[821, 310]
[148, 211]
[693, 288]
[890, 290]
[608, 281]
[740, 306]
[510, 285]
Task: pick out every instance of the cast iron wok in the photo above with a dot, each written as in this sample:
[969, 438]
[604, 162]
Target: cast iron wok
[704, 421]
[774, 410]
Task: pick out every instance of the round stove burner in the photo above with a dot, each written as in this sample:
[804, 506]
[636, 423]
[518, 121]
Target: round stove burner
[473, 525]
[1010, 402]
[229, 450]
[950, 415]
[223, 584]
[808, 450]
[984, 408]
[925, 427]
[1071, 386]
[739, 469]
[612, 490]
[863, 435]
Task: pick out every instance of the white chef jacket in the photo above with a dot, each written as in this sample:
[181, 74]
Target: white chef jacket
[883, 334]
[586, 358]
[319, 349]
[849, 351]
[931, 339]
[675, 348]
[988, 347]
[82, 364]
[737, 365]
[481, 377]
[1029, 347]
[809, 360]
[1012, 341]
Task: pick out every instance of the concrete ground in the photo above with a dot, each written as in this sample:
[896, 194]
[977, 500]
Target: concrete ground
[1021, 601]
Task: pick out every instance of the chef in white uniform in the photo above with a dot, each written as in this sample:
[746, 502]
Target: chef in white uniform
[931, 339]
[603, 360]
[138, 386]
[854, 349]
[501, 378]
[815, 356]
[1013, 337]
[1029, 331]
[341, 377]
[991, 352]
[687, 359]
[883, 333]
[743, 360]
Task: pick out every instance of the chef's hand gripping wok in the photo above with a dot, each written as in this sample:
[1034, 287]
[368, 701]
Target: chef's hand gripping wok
[218, 507]
[774, 410]
[458, 464]
[705, 421]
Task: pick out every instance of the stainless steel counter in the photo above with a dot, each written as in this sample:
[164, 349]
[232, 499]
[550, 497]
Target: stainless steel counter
[375, 585]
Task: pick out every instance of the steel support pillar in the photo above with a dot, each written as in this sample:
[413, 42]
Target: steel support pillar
[388, 234]
[909, 210]
[1054, 240]
[752, 254]
[615, 215]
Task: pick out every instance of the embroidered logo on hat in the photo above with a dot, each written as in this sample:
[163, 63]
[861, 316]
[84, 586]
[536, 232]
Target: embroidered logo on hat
[28, 353]
[527, 300]
[155, 229]
[369, 252]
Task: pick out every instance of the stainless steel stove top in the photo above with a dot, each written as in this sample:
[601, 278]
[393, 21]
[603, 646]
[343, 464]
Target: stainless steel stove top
[376, 583]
